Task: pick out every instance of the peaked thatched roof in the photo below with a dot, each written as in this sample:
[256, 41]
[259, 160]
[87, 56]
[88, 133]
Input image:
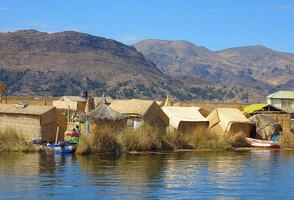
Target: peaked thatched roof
[183, 114]
[24, 109]
[132, 106]
[225, 116]
[103, 113]
[147, 109]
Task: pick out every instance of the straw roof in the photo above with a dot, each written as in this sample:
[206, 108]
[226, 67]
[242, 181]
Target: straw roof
[132, 106]
[225, 116]
[147, 109]
[103, 113]
[183, 114]
[24, 109]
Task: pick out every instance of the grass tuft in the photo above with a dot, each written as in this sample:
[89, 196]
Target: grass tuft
[100, 141]
[11, 141]
[145, 138]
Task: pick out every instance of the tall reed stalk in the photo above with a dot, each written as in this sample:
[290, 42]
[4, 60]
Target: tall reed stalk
[100, 141]
[287, 140]
[145, 138]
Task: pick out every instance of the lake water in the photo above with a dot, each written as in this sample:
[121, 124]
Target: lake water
[254, 174]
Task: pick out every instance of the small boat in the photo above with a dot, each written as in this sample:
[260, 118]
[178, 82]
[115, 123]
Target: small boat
[264, 143]
[63, 147]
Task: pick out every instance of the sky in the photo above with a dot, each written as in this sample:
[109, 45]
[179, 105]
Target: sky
[214, 24]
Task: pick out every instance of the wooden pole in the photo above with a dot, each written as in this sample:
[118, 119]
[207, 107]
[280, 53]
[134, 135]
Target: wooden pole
[57, 132]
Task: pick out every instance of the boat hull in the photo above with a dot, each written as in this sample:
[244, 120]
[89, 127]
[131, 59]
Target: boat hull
[264, 143]
[63, 147]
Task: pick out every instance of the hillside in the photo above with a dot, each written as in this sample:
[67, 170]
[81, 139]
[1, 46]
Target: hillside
[255, 67]
[66, 63]
[34, 63]
[261, 63]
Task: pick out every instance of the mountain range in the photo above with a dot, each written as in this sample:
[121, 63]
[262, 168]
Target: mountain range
[66, 63]
[250, 66]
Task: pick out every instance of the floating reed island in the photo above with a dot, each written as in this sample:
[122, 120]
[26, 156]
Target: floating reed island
[119, 126]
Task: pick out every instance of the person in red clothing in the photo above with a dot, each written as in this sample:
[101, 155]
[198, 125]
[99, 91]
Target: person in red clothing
[74, 133]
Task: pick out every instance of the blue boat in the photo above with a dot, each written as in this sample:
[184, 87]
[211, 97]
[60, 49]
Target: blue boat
[63, 147]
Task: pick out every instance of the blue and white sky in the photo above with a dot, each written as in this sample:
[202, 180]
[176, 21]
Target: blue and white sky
[214, 24]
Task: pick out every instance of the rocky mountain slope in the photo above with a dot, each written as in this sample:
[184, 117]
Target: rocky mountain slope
[261, 63]
[66, 63]
[255, 67]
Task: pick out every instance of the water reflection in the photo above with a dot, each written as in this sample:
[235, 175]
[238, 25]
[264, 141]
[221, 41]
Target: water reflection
[184, 175]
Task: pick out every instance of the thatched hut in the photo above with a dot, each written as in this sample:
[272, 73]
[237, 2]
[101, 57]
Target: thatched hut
[185, 119]
[33, 121]
[105, 118]
[72, 106]
[141, 111]
[228, 121]
[74, 103]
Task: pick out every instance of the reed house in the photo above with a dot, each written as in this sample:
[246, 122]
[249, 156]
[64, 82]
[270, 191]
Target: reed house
[33, 121]
[140, 112]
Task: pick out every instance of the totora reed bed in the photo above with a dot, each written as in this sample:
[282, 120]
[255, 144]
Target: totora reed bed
[144, 139]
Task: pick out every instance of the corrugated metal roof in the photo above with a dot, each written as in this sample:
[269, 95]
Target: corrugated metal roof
[281, 95]
[27, 110]
[254, 107]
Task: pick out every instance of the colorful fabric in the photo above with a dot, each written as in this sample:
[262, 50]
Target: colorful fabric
[74, 140]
